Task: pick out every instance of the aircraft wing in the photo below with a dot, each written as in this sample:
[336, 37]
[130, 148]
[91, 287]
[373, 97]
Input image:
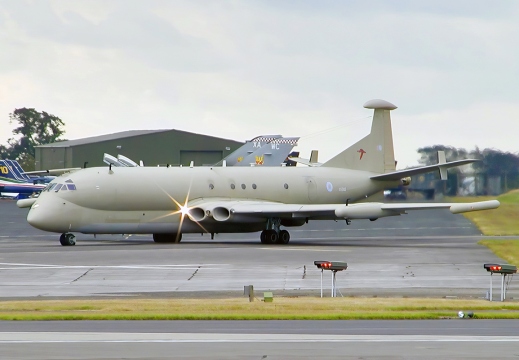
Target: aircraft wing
[226, 210]
[51, 171]
[397, 175]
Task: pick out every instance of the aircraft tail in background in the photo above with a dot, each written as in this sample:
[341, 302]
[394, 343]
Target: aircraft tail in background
[250, 146]
[273, 153]
[10, 170]
[14, 181]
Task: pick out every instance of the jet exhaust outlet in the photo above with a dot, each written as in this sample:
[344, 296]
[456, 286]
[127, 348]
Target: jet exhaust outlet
[221, 213]
[197, 214]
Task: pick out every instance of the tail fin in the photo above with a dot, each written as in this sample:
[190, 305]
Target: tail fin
[18, 169]
[374, 152]
[250, 146]
[273, 153]
[11, 169]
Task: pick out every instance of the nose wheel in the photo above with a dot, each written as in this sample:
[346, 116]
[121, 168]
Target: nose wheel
[67, 239]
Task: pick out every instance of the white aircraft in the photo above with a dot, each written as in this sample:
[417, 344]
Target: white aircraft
[108, 200]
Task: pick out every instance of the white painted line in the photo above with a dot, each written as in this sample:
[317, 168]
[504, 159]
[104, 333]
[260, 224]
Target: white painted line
[97, 337]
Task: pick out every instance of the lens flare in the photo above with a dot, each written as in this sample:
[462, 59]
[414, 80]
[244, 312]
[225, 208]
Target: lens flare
[182, 209]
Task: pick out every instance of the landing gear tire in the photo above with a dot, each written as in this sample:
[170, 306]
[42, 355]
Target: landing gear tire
[268, 237]
[167, 238]
[67, 239]
[283, 237]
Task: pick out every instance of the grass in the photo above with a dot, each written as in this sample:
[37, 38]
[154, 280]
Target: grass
[282, 308]
[497, 222]
[505, 249]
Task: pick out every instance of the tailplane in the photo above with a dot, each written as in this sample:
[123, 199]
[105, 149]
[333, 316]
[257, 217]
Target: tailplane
[374, 152]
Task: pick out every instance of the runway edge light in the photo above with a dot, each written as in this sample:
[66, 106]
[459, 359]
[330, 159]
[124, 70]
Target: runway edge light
[501, 268]
[331, 265]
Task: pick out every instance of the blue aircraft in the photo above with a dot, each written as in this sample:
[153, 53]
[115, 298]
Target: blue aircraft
[14, 181]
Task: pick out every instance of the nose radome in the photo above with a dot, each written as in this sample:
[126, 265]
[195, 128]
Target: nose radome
[40, 218]
[35, 218]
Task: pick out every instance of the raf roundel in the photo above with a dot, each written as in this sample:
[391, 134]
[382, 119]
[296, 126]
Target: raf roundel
[329, 186]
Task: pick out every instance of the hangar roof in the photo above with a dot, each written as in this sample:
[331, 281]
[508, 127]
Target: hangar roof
[114, 136]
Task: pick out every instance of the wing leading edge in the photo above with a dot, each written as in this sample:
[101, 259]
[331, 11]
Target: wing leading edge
[226, 210]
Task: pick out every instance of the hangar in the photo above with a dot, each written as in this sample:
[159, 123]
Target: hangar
[153, 147]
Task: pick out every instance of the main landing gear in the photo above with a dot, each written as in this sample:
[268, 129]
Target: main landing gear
[67, 239]
[167, 238]
[273, 234]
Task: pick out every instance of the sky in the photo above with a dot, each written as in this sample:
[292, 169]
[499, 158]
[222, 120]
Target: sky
[238, 69]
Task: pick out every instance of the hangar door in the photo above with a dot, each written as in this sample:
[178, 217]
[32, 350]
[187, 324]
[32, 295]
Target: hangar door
[200, 157]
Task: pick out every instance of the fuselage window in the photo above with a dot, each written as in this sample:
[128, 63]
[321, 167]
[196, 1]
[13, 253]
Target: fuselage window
[211, 186]
[71, 186]
[254, 186]
[243, 186]
[232, 186]
[56, 189]
[286, 186]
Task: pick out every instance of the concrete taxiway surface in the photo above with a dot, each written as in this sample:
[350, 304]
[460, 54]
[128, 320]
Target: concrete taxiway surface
[448, 339]
[425, 253]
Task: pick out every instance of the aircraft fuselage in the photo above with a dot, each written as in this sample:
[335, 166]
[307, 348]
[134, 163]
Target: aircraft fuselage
[145, 199]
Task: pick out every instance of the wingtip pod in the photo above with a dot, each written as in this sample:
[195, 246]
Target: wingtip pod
[475, 206]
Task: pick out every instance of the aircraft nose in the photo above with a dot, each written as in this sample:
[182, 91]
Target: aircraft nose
[39, 218]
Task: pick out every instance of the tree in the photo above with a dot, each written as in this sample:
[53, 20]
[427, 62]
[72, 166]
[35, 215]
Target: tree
[35, 128]
[495, 163]
[429, 154]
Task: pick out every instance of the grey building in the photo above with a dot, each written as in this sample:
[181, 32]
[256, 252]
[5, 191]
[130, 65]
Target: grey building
[153, 147]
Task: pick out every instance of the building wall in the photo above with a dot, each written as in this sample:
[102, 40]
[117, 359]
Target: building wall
[161, 148]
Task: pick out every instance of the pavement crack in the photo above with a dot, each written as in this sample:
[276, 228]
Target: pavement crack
[79, 277]
[193, 275]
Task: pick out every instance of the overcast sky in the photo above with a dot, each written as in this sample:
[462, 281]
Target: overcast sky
[237, 69]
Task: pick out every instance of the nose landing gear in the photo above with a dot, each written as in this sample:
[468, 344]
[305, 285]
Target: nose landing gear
[67, 239]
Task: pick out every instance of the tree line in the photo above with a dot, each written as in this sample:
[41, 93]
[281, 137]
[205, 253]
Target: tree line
[494, 164]
[34, 128]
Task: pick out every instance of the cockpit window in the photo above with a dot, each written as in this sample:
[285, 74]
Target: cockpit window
[51, 186]
[56, 189]
[71, 186]
[64, 187]
[68, 181]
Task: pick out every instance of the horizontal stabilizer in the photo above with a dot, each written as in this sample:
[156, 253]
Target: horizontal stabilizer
[397, 175]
